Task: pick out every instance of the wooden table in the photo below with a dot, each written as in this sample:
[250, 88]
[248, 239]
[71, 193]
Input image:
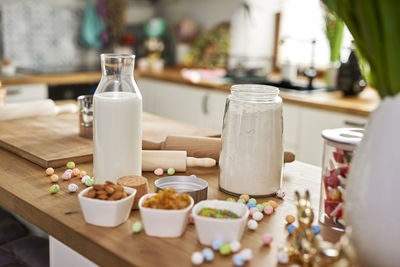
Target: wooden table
[24, 190]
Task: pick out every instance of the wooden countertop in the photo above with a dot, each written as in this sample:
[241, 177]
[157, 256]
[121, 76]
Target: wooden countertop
[361, 105]
[24, 190]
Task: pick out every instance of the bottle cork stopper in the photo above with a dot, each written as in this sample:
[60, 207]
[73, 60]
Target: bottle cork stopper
[137, 182]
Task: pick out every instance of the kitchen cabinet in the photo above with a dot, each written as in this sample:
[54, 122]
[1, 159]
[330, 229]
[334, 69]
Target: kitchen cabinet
[26, 92]
[205, 107]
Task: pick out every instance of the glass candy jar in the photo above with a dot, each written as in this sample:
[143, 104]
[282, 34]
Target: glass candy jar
[339, 146]
[251, 156]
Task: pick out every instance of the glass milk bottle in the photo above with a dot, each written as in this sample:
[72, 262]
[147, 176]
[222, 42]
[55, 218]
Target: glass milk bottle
[117, 127]
[251, 158]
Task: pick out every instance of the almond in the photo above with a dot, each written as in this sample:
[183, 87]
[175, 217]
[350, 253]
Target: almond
[98, 186]
[102, 197]
[101, 192]
[119, 188]
[91, 193]
[109, 189]
[116, 195]
[109, 182]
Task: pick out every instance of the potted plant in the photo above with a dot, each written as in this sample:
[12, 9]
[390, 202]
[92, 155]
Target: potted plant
[372, 204]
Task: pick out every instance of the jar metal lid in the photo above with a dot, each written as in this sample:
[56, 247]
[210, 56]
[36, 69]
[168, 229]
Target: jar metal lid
[346, 136]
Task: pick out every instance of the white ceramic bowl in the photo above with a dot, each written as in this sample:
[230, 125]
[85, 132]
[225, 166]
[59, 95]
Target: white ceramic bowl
[209, 229]
[164, 223]
[107, 213]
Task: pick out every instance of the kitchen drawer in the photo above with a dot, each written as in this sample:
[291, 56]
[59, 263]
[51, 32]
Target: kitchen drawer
[26, 92]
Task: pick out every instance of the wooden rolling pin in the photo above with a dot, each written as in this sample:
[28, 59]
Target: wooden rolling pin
[199, 147]
[153, 159]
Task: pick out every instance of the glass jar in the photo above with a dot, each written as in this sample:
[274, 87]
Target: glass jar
[251, 156]
[339, 146]
[117, 125]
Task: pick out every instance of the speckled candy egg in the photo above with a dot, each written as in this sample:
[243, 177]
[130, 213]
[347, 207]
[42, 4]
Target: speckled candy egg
[72, 188]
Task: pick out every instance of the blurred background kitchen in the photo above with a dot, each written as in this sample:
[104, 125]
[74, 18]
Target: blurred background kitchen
[188, 53]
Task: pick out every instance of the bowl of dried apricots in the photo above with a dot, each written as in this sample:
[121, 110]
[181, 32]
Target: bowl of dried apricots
[165, 213]
[107, 204]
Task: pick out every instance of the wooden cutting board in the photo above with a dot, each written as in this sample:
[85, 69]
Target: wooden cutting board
[52, 141]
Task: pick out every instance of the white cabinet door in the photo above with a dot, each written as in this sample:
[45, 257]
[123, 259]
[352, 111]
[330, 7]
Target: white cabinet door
[313, 122]
[213, 109]
[291, 126]
[26, 92]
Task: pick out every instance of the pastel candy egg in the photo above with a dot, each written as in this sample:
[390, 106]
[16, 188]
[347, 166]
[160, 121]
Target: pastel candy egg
[241, 200]
[76, 172]
[197, 258]
[283, 257]
[84, 178]
[137, 227]
[208, 254]
[72, 188]
[235, 245]
[245, 197]
[54, 188]
[217, 243]
[252, 211]
[258, 216]
[273, 204]
[82, 174]
[225, 249]
[54, 178]
[251, 205]
[67, 174]
[191, 218]
[247, 254]
[267, 239]
[70, 165]
[268, 210]
[171, 171]
[49, 171]
[316, 229]
[260, 207]
[238, 260]
[252, 224]
[290, 219]
[229, 199]
[159, 171]
[89, 182]
[266, 204]
[291, 228]
[253, 200]
[280, 193]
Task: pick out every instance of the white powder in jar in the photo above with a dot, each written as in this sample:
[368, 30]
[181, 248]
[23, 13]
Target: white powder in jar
[251, 158]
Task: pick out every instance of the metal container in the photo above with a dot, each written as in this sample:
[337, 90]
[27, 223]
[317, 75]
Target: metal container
[191, 185]
[85, 103]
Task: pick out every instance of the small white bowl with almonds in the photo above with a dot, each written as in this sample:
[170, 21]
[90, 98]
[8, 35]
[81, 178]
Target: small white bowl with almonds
[106, 205]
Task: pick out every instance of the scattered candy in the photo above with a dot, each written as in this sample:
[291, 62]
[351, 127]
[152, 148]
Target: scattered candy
[273, 204]
[76, 172]
[241, 200]
[159, 171]
[267, 239]
[316, 229]
[171, 171]
[70, 165]
[235, 245]
[191, 218]
[266, 204]
[290, 219]
[283, 257]
[251, 205]
[229, 199]
[137, 227]
[238, 260]
[208, 254]
[258, 216]
[82, 174]
[194, 176]
[260, 207]
[89, 182]
[72, 188]
[291, 228]
[225, 249]
[197, 258]
[84, 178]
[245, 197]
[252, 200]
[54, 178]
[217, 243]
[252, 224]
[268, 210]
[252, 211]
[280, 194]
[67, 174]
[247, 254]
[49, 171]
[54, 188]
